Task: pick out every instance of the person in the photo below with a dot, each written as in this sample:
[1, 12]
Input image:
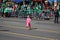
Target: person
[56, 14]
[28, 22]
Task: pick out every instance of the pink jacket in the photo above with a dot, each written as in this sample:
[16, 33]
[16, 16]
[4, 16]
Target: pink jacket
[28, 20]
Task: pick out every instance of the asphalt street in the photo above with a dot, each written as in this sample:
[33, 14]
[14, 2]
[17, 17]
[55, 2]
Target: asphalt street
[15, 29]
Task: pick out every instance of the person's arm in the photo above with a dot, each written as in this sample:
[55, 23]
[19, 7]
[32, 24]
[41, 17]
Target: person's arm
[58, 12]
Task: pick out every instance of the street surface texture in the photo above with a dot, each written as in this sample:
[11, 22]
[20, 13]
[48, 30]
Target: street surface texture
[15, 29]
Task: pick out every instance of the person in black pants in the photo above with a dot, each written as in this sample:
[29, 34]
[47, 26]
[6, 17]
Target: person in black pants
[56, 13]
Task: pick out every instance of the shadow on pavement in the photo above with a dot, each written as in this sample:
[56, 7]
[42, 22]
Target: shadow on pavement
[1, 26]
[34, 28]
[4, 30]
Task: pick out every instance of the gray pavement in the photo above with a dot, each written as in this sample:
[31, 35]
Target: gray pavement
[15, 29]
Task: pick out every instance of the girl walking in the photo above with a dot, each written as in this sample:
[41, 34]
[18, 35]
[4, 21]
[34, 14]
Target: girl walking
[28, 22]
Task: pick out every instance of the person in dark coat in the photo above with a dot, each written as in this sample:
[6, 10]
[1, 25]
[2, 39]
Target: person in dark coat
[56, 14]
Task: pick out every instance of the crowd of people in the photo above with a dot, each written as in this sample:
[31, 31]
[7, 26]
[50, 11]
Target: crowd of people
[33, 9]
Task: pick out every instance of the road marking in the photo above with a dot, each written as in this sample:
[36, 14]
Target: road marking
[10, 26]
[49, 31]
[18, 34]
